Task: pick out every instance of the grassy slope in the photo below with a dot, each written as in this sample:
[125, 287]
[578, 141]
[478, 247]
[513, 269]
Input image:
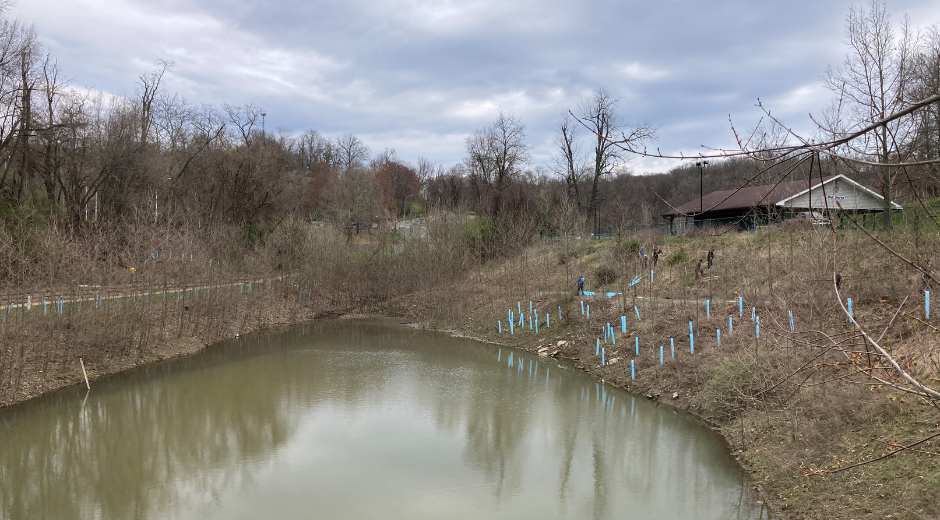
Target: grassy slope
[785, 427]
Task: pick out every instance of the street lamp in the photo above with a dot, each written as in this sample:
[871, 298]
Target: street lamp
[263, 115]
[701, 186]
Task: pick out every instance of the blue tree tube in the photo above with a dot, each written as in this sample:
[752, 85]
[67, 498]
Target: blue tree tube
[637, 342]
[632, 373]
[708, 308]
[730, 326]
[791, 320]
[623, 324]
[637, 311]
[718, 332]
[927, 304]
[500, 323]
[660, 354]
[849, 300]
[740, 307]
[602, 358]
[757, 326]
[672, 347]
[691, 344]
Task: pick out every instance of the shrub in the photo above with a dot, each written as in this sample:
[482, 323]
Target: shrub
[632, 245]
[481, 237]
[605, 275]
[730, 387]
[677, 257]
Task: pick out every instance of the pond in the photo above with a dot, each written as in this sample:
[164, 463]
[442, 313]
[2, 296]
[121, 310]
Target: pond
[362, 419]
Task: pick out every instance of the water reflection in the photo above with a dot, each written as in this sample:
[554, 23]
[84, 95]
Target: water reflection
[361, 419]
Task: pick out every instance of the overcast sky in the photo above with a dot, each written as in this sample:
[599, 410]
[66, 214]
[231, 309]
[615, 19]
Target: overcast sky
[420, 75]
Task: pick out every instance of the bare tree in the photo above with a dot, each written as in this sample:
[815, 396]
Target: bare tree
[351, 152]
[13, 38]
[926, 82]
[148, 88]
[245, 120]
[354, 201]
[611, 136]
[495, 155]
[314, 150]
[569, 159]
[871, 84]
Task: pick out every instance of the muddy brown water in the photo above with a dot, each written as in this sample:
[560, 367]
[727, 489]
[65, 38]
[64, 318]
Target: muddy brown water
[362, 419]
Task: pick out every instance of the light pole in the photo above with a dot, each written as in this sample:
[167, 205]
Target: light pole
[263, 115]
[701, 186]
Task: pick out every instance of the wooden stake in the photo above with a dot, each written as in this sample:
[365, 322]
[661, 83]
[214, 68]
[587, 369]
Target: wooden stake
[84, 373]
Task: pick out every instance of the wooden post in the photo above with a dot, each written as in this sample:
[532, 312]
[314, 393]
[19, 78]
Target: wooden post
[88, 386]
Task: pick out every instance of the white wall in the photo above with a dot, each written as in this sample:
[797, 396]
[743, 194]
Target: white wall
[846, 194]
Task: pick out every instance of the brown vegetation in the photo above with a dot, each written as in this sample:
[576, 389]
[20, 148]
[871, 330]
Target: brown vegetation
[190, 289]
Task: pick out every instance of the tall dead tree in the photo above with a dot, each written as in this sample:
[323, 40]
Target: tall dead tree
[610, 136]
[569, 158]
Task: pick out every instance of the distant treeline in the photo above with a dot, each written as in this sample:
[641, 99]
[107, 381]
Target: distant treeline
[78, 157]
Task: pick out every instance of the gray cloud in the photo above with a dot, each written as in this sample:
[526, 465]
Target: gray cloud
[419, 75]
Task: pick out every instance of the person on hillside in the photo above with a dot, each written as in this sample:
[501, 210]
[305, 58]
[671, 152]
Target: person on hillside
[711, 257]
[656, 253]
[643, 257]
[580, 286]
[699, 272]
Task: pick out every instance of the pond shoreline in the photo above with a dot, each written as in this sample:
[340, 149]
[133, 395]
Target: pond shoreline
[637, 391]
